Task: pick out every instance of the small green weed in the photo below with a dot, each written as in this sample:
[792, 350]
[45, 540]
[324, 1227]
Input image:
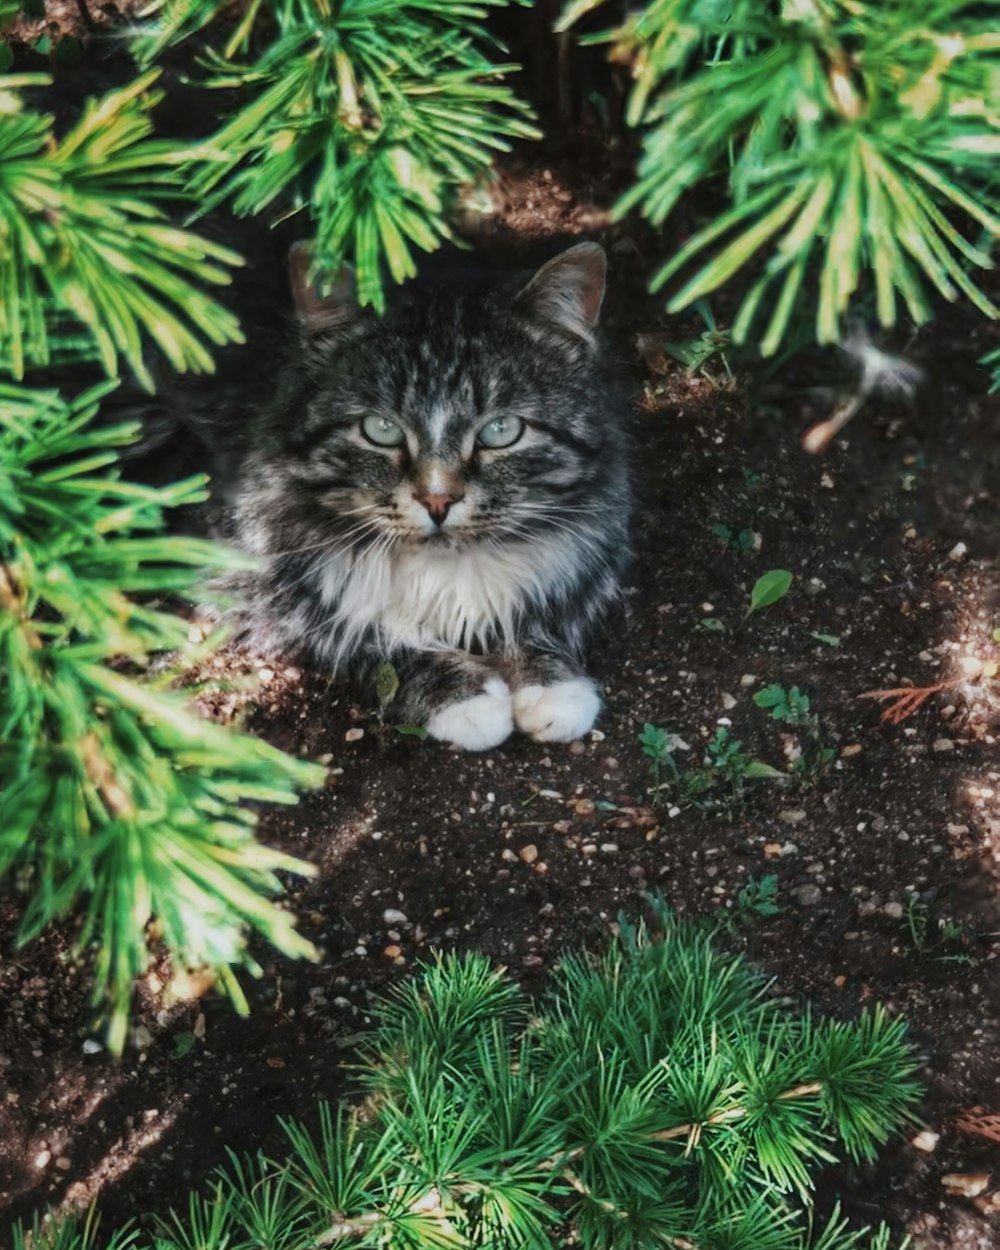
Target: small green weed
[759, 897]
[658, 747]
[725, 762]
[768, 589]
[925, 935]
[740, 541]
[730, 761]
[697, 353]
[793, 708]
[917, 922]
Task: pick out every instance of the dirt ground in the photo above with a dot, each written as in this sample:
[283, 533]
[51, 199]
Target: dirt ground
[886, 863]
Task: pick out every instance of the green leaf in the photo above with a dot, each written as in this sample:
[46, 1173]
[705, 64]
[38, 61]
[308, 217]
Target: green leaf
[769, 588]
[386, 684]
[183, 1044]
[758, 770]
[829, 640]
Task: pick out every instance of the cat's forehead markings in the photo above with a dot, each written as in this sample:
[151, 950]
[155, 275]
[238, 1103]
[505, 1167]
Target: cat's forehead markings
[437, 423]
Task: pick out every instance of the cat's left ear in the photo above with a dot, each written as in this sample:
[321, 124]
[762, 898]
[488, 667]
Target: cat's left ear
[320, 311]
[568, 290]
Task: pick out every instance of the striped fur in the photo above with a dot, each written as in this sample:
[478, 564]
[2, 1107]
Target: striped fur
[508, 591]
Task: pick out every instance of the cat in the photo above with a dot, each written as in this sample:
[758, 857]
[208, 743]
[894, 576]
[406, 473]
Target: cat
[446, 488]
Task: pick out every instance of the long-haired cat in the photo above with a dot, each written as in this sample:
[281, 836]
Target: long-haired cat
[446, 488]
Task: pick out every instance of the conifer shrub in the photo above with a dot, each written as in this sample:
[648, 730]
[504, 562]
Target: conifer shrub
[656, 1096]
[856, 142]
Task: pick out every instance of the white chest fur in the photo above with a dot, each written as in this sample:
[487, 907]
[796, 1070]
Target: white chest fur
[435, 597]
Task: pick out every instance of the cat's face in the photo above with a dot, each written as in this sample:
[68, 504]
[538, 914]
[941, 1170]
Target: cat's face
[458, 417]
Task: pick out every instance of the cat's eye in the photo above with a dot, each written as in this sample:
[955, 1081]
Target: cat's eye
[382, 431]
[500, 432]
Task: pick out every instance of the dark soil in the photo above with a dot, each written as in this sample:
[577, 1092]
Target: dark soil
[887, 864]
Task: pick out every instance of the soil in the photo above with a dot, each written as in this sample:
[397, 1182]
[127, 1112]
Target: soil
[886, 863]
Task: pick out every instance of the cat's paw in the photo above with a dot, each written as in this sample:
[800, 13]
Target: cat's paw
[478, 723]
[557, 713]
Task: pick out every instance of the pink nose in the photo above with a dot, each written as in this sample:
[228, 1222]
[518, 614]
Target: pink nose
[438, 506]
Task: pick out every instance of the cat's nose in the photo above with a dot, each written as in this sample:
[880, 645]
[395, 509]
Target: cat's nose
[438, 506]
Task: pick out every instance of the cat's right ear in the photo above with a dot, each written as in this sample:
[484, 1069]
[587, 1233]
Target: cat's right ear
[321, 310]
[567, 292]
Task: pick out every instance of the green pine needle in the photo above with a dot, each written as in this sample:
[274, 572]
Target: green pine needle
[367, 117]
[83, 245]
[485, 1122]
[114, 795]
[859, 141]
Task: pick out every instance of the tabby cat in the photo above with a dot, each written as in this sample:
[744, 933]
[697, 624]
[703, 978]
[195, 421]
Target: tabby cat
[446, 488]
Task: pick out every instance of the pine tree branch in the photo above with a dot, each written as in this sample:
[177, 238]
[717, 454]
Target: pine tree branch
[368, 119]
[124, 803]
[854, 140]
[82, 243]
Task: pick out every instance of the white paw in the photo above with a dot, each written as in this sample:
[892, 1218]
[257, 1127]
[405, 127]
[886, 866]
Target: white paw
[557, 713]
[478, 723]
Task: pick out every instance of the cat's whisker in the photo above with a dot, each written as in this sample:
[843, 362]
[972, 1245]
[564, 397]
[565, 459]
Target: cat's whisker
[575, 531]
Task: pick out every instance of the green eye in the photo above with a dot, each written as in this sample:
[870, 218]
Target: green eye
[382, 432]
[500, 432]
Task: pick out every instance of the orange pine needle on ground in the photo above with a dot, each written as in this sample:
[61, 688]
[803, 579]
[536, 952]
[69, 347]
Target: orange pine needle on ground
[907, 699]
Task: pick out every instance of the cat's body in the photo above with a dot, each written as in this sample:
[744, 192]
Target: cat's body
[446, 488]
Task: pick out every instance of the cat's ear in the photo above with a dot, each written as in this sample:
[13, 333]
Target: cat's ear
[567, 291]
[320, 310]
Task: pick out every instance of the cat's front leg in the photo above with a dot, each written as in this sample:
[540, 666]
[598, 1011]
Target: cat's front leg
[457, 698]
[554, 701]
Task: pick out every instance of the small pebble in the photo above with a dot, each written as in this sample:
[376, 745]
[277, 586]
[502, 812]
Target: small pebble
[926, 1141]
[943, 744]
[807, 895]
[354, 735]
[609, 848]
[92, 1046]
[728, 702]
[576, 748]
[893, 910]
[392, 952]
[392, 916]
[958, 552]
[529, 853]
[965, 1184]
[64, 1165]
